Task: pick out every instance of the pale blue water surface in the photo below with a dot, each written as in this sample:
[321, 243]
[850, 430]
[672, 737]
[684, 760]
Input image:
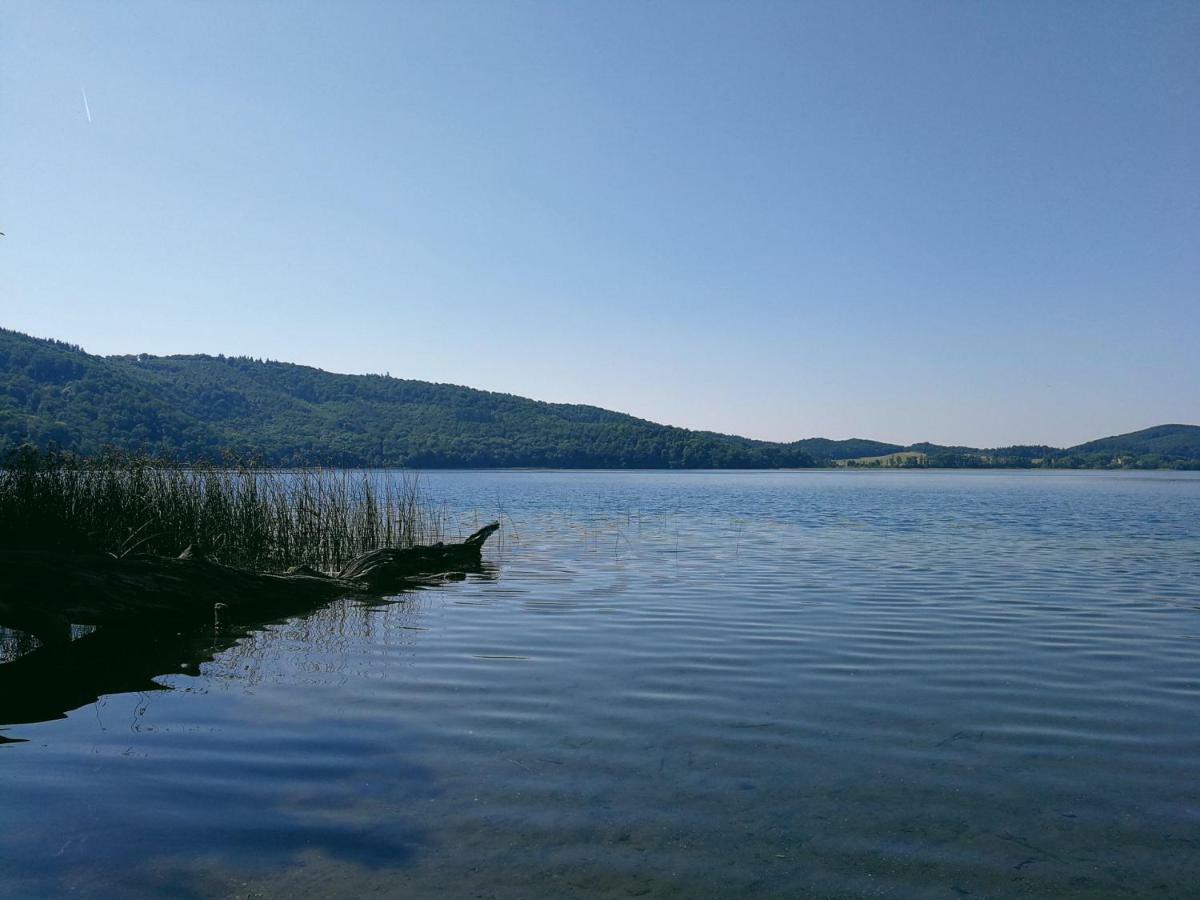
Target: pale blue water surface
[901, 684]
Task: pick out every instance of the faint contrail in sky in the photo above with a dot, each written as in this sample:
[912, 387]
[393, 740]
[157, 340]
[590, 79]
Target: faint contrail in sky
[87, 109]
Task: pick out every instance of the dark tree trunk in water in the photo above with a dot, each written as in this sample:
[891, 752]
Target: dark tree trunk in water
[44, 594]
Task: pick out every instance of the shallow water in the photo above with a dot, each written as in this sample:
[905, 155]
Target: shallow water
[672, 684]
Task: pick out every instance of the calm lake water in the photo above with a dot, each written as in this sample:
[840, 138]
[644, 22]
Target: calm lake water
[899, 684]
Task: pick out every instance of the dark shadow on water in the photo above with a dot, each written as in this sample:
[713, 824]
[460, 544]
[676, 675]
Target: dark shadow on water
[55, 679]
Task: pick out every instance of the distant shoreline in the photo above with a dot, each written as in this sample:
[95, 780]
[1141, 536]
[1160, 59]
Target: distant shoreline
[211, 409]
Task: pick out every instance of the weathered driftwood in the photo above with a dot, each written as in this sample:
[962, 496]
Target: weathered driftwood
[44, 594]
[380, 568]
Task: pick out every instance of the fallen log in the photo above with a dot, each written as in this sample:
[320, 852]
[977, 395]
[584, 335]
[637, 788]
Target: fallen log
[380, 568]
[44, 594]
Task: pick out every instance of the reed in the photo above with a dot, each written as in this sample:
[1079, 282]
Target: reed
[262, 519]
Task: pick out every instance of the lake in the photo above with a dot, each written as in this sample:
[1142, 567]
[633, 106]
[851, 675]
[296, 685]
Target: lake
[668, 684]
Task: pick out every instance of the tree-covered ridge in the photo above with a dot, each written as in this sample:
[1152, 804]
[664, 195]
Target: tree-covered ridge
[1160, 447]
[202, 407]
[1168, 442]
[205, 407]
[853, 448]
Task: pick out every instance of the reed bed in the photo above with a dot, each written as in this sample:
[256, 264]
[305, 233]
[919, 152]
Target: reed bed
[262, 519]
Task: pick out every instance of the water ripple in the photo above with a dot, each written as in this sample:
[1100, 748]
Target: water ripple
[689, 684]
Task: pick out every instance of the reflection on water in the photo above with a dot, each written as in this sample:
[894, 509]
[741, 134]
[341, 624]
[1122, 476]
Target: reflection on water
[668, 685]
[38, 683]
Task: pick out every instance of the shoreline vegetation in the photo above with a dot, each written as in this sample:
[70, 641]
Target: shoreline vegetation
[239, 515]
[136, 543]
[198, 408]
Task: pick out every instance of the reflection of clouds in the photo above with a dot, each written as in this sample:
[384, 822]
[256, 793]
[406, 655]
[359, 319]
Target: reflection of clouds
[252, 805]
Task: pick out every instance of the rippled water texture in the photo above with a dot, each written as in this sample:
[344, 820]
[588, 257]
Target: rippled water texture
[676, 684]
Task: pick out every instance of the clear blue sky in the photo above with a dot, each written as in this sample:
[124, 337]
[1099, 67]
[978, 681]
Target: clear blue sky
[964, 222]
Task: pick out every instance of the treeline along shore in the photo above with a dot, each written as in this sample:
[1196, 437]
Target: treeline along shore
[201, 408]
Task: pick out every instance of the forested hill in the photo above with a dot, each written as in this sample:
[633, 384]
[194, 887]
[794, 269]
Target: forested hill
[1168, 442]
[205, 407]
[202, 407]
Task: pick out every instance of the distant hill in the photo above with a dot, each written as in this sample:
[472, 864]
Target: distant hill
[200, 407]
[203, 407]
[825, 449]
[1161, 447]
[1169, 442]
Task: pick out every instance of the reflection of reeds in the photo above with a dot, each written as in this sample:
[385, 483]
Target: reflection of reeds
[239, 515]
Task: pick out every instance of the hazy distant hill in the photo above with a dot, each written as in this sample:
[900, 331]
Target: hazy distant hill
[200, 407]
[1171, 442]
[825, 449]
